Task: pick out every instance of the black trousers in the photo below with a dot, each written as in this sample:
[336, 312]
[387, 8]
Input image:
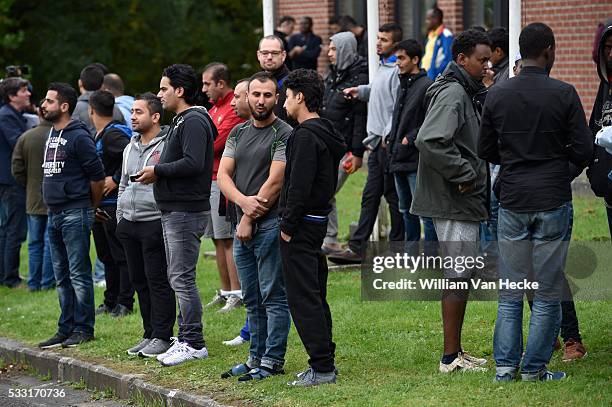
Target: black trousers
[143, 243]
[305, 273]
[378, 183]
[119, 290]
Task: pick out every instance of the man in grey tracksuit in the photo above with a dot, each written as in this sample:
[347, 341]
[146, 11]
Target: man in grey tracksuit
[380, 94]
[140, 231]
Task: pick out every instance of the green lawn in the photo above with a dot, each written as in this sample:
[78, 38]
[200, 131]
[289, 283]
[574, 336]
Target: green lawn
[387, 352]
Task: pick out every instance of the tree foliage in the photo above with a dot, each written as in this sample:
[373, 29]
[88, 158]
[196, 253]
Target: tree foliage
[134, 38]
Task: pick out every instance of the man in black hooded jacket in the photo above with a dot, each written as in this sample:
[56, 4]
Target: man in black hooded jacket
[601, 166]
[314, 150]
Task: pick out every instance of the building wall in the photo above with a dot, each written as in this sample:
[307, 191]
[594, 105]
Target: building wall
[573, 21]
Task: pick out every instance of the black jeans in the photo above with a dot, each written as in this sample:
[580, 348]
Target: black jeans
[305, 273]
[143, 243]
[378, 183]
[119, 290]
[609, 212]
[13, 230]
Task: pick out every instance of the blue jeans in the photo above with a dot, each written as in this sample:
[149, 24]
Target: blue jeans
[13, 229]
[69, 232]
[405, 183]
[98, 271]
[535, 242]
[244, 331]
[263, 289]
[39, 253]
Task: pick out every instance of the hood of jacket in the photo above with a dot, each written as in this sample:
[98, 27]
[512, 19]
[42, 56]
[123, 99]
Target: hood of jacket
[324, 130]
[602, 66]
[74, 125]
[346, 49]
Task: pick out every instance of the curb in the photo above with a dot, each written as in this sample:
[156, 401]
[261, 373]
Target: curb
[125, 386]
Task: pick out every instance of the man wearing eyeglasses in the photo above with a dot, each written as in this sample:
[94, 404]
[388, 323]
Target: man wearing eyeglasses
[271, 55]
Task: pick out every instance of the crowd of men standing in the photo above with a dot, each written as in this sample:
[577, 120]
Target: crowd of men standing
[258, 172]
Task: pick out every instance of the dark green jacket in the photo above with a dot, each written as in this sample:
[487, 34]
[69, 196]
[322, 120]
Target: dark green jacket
[447, 143]
[27, 166]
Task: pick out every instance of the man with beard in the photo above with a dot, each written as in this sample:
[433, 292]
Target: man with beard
[140, 231]
[347, 115]
[182, 191]
[313, 154]
[73, 182]
[272, 55]
[251, 176]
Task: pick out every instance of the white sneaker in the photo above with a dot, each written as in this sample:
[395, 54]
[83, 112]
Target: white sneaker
[171, 349]
[237, 341]
[473, 359]
[460, 364]
[184, 353]
[232, 302]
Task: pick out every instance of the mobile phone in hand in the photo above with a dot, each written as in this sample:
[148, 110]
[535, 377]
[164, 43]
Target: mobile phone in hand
[134, 177]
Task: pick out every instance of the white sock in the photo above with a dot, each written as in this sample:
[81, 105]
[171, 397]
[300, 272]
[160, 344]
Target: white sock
[235, 293]
[224, 293]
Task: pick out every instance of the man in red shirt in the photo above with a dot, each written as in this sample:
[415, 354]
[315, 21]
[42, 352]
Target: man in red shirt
[216, 83]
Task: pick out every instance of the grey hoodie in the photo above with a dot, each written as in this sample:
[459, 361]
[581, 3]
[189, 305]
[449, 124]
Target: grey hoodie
[381, 94]
[346, 49]
[135, 201]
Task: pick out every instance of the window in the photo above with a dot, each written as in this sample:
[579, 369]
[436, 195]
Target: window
[410, 14]
[354, 8]
[486, 13]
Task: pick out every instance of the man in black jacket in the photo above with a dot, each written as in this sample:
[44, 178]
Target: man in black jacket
[408, 115]
[272, 55]
[111, 139]
[304, 48]
[182, 192]
[347, 115]
[535, 197]
[601, 116]
[313, 154]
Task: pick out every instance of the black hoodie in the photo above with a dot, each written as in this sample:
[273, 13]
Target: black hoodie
[601, 116]
[313, 153]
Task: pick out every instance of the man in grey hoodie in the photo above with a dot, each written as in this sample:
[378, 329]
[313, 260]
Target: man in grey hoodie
[348, 116]
[380, 94]
[140, 231]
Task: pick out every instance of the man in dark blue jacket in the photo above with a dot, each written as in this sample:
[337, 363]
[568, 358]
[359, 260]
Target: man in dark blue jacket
[73, 182]
[111, 139]
[13, 226]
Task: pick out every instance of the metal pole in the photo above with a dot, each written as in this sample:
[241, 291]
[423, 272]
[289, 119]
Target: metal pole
[373, 23]
[268, 17]
[514, 30]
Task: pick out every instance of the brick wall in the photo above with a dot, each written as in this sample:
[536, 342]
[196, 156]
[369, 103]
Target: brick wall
[453, 14]
[320, 11]
[574, 23]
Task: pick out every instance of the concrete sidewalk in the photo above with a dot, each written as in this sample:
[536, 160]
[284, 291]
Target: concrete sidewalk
[124, 386]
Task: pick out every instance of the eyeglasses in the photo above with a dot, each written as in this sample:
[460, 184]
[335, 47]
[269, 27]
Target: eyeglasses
[268, 53]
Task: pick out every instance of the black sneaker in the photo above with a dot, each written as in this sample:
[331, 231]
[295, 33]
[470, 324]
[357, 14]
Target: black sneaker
[54, 342]
[120, 311]
[75, 339]
[103, 309]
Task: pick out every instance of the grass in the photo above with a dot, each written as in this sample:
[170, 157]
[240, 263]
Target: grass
[387, 352]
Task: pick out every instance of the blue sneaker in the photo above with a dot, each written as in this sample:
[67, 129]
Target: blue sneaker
[543, 376]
